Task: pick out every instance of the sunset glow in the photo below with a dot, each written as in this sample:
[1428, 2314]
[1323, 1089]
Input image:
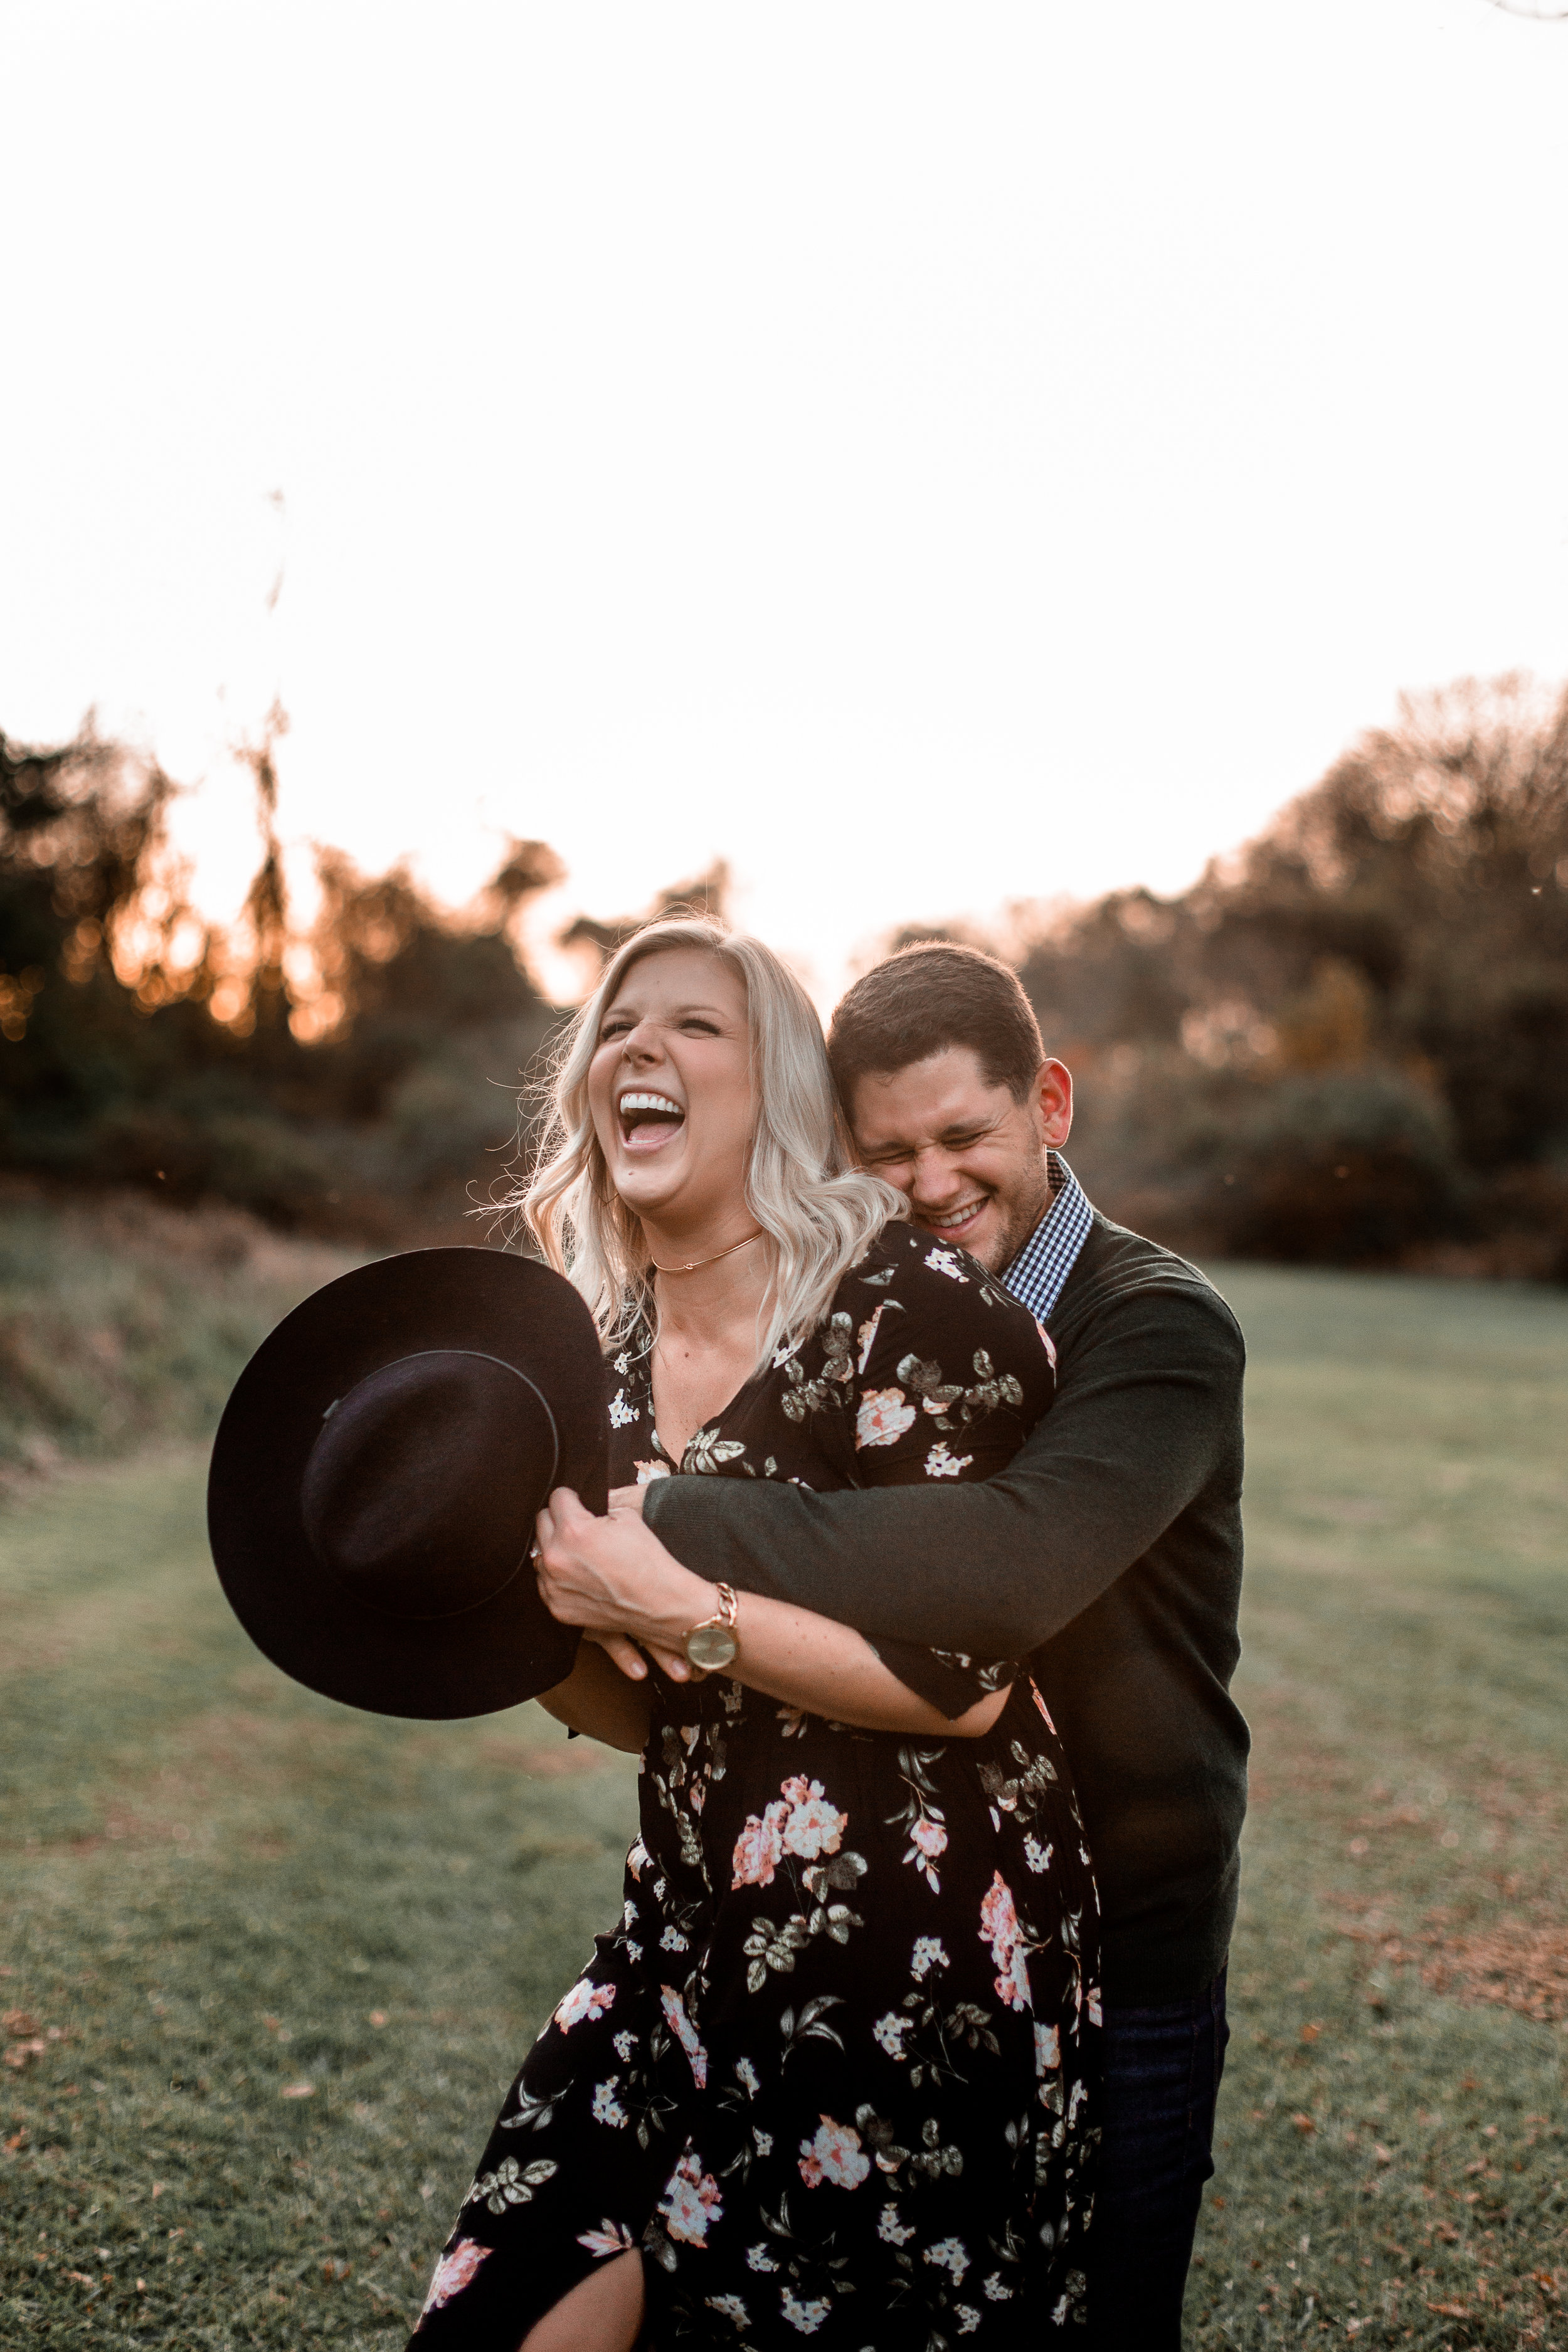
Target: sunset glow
[930, 460]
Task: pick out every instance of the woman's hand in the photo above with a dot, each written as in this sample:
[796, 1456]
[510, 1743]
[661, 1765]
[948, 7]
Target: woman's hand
[612, 1577]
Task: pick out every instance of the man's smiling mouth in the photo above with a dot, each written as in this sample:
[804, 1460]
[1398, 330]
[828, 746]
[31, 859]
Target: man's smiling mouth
[954, 1220]
[649, 1119]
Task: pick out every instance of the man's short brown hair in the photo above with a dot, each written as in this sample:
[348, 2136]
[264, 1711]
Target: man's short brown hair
[927, 998]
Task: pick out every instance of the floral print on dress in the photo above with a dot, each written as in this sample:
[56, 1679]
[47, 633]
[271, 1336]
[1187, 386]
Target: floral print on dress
[833, 2071]
[454, 2272]
[883, 1418]
[585, 1999]
[691, 2202]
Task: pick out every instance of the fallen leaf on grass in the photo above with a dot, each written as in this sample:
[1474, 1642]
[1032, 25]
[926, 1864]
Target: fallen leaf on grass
[1304, 2123]
[1451, 2310]
[1519, 1968]
[298, 2091]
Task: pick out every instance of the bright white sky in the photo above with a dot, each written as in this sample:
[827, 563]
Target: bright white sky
[932, 456]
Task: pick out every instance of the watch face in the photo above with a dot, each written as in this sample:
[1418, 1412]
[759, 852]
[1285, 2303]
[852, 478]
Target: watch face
[710, 1646]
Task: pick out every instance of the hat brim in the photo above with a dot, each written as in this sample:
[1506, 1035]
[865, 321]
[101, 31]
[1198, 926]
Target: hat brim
[507, 1649]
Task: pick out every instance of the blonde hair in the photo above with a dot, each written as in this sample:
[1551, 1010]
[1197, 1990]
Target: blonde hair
[818, 1210]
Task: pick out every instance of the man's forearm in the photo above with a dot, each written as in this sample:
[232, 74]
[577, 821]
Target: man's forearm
[907, 1562]
[999, 1566]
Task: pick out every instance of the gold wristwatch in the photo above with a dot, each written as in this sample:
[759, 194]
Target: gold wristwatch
[712, 1644]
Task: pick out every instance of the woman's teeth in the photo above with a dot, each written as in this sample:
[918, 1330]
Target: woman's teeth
[649, 1119]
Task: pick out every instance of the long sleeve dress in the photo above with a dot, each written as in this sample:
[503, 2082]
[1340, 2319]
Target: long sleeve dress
[834, 2072]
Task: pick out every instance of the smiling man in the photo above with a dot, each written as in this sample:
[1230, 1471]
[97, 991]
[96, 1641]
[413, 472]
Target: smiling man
[1109, 1551]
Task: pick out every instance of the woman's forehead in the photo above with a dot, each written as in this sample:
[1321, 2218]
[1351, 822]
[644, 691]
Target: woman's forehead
[691, 978]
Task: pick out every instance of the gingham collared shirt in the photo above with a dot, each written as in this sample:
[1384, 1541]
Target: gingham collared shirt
[1037, 1274]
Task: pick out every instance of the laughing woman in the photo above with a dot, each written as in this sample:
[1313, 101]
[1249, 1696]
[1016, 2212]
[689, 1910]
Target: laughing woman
[834, 2075]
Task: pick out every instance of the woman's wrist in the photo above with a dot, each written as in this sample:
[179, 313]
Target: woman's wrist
[685, 1603]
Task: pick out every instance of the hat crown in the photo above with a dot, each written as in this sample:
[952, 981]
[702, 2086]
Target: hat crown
[421, 1488]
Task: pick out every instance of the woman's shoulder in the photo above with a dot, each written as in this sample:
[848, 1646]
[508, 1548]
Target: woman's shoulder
[926, 1276]
[931, 1344]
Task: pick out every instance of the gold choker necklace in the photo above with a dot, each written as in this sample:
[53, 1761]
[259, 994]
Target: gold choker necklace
[692, 1265]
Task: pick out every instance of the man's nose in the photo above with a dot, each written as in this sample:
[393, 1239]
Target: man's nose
[936, 1179]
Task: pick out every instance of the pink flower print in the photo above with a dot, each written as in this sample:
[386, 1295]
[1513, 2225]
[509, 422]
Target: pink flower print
[691, 2202]
[815, 1827]
[835, 2155]
[1047, 1343]
[999, 1927]
[637, 1860]
[759, 1849]
[648, 1471]
[607, 2109]
[685, 2032]
[867, 1338]
[609, 2238]
[1095, 2015]
[1047, 2051]
[1040, 1703]
[453, 2272]
[585, 1999]
[928, 1840]
[806, 2316]
[699, 1794]
[889, 2031]
[941, 1464]
[883, 1418]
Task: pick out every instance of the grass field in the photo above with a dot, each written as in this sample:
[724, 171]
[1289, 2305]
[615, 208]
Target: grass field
[269, 1964]
[122, 1320]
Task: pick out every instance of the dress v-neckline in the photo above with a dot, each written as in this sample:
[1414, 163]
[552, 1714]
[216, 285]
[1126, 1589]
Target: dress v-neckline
[713, 1421]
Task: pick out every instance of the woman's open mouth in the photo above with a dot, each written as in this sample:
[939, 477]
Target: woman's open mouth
[648, 1120]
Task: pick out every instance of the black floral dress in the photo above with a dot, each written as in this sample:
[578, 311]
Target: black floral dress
[836, 2070]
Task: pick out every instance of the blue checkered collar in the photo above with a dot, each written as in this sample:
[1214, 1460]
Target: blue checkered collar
[1041, 1267]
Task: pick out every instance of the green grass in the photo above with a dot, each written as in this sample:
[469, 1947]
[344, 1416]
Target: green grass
[216, 1885]
[1392, 2157]
[122, 1321]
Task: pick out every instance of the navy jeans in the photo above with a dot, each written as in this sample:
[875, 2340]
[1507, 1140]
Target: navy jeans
[1162, 2074]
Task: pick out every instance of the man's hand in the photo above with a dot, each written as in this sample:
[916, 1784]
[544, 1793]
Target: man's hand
[612, 1577]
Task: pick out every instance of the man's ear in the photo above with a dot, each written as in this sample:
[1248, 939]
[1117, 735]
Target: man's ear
[1053, 1097]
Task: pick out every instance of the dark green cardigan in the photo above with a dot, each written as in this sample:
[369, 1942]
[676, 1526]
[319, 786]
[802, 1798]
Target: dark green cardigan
[1109, 1549]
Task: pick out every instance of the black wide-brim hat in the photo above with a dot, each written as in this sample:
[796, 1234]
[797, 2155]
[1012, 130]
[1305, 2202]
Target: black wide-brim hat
[377, 1471]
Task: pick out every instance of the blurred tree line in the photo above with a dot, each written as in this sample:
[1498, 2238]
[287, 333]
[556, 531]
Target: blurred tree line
[354, 1075]
[359, 1080]
[1346, 1044]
